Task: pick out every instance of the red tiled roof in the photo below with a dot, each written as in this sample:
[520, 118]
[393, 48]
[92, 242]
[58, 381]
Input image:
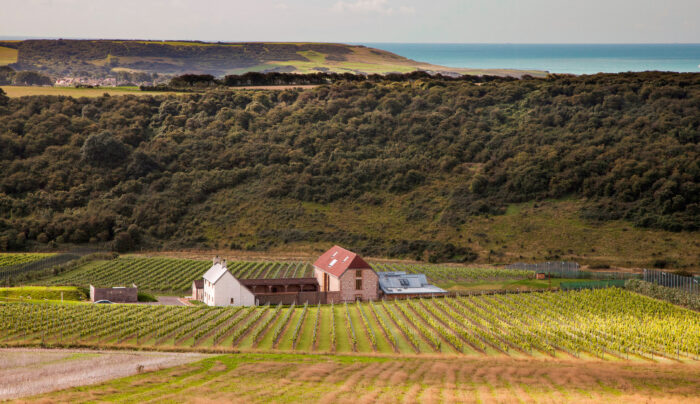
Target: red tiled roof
[344, 260]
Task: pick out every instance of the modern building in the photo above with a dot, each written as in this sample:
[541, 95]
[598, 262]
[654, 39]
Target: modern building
[221, 288]
[342, 271]
[403, 285]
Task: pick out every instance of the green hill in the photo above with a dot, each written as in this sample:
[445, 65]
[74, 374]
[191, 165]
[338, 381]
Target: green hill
[603, 169]
[102, 58]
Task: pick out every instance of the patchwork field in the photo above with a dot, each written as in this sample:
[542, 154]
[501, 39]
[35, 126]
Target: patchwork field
[174, 275]
[338, 379]
[605, 323]
[26, 372]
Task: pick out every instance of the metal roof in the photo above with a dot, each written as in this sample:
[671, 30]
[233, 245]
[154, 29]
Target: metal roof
[398, 283]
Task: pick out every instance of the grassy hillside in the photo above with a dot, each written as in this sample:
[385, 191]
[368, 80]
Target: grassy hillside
[602, 169]
[101, 58]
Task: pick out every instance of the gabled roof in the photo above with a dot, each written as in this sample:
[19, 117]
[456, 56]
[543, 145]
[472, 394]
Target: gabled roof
[398, 283]
[337, 260]
[215, 273]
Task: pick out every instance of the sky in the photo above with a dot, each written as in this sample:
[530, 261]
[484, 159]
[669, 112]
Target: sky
[359, 21]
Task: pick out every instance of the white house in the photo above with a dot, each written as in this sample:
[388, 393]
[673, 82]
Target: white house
[221, 288]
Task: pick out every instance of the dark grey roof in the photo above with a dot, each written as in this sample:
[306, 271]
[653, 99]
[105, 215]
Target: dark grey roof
[398, 283]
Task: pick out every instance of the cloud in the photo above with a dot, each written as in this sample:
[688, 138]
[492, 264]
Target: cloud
[371, 6]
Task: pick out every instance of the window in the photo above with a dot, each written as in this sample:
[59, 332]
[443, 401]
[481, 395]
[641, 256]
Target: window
[231, 300]
[332, 263]
[358, 284]
[358, 298]
[404, 282]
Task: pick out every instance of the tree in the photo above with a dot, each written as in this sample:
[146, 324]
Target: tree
[31, 78]
[104, 150]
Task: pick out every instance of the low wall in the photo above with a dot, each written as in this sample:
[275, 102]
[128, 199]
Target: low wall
[115, 295]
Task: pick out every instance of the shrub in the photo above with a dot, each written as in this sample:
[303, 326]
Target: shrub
[146, 297]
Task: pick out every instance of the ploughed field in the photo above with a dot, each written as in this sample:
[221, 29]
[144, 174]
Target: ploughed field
[604, 323]
[176, 275]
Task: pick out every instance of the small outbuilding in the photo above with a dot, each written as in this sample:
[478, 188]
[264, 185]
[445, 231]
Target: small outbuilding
[404, 285]
[221, 288]
[197, 289]
[115, 295]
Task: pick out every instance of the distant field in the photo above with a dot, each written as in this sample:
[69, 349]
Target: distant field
[611, 324]
[325, 379]
[21, 91]
[7, 56]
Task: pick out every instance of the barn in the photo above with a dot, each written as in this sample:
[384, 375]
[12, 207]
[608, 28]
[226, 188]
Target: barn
[342, 271]
[221, 288]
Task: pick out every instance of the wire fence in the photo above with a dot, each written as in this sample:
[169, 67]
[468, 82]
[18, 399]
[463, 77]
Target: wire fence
[685, 283]
[570, 270]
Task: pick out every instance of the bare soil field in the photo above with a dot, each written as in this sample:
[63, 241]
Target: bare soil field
[25, 372]
[328, 379]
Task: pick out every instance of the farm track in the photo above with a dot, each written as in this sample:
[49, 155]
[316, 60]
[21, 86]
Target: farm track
[607, 324]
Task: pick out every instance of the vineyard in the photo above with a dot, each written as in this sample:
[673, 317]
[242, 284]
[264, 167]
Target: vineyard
[600, 323]
[7, 260]
[176, 275]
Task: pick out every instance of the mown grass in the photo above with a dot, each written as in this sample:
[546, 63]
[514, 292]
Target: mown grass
[33, 293]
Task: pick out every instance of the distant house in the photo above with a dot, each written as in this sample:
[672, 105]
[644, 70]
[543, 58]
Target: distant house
[115, 295]
[342, 271]
[197, 289]
[221, 288]
[403, 285]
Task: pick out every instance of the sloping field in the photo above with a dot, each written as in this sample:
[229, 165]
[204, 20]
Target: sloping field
[7, 56]
[297, 378]
[606, 324]
[26, 372]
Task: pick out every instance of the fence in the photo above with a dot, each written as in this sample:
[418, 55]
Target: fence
[685, 283]
[565, 269]
[570, 270]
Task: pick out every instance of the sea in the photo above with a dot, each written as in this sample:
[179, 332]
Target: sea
[554, 58]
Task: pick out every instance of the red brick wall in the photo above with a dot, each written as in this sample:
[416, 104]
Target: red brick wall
[370, 285]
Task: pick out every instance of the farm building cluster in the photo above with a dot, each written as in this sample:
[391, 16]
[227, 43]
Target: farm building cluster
[340, 275]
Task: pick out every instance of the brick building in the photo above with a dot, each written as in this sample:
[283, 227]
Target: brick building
[343, 271]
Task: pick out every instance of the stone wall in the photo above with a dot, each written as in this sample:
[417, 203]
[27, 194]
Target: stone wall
[370, 286]
[298, 298]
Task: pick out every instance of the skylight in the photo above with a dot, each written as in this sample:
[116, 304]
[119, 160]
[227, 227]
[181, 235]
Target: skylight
[332, 263]
[346, 258]
[334, 254]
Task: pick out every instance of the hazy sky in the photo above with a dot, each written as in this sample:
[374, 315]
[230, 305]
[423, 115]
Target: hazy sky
[480, 21]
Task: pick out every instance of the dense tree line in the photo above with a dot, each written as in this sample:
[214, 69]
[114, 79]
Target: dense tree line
[146, 170]
[207, 81]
